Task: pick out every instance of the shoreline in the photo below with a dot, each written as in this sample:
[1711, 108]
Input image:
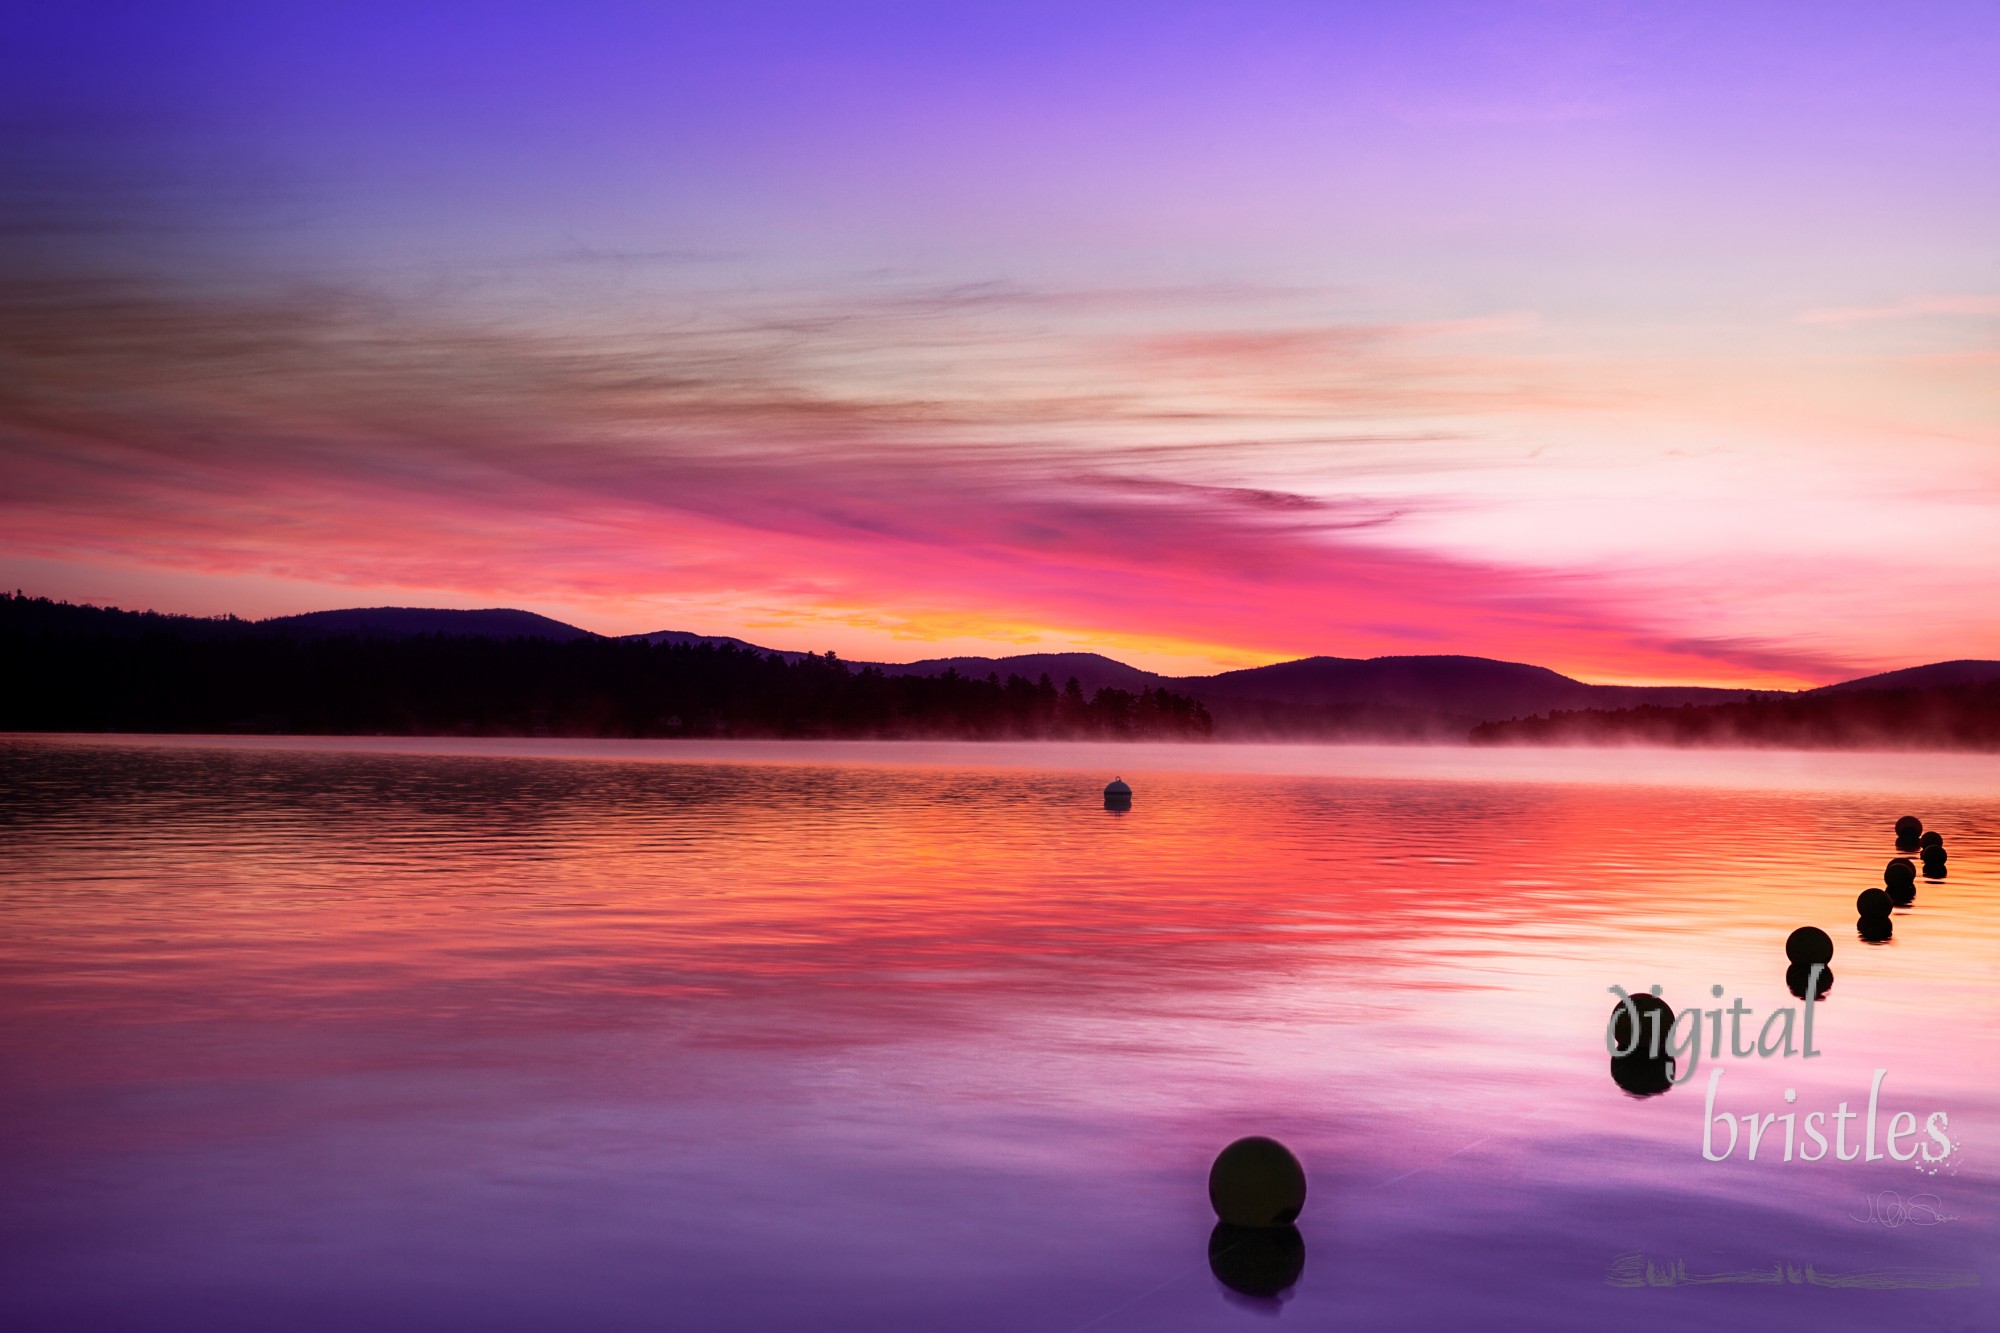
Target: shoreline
[1856, 770]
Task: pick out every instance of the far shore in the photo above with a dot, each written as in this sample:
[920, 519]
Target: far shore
[1140, 762]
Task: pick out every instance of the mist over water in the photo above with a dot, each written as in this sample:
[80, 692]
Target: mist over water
[525, 1034]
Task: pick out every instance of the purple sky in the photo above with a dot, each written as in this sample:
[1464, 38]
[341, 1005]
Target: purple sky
[1647, 342]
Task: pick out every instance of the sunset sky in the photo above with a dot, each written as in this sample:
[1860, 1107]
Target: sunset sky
[1646, 342]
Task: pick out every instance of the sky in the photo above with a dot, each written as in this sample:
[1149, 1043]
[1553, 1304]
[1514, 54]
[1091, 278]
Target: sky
[1652, 343]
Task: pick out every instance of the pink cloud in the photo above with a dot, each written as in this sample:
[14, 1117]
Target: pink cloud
[783, 466]
[1916, 307]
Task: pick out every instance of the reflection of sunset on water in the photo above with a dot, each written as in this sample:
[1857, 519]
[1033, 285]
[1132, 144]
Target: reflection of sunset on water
[610, 978]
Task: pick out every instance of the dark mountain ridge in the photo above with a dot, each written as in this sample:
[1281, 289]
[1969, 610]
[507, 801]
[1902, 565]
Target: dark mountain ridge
[403, 621]
[1451, 692]
[84, 669]
[685, 639]
[1093, 671]
[1928, 718]
[1965, 671]
[1418, 698]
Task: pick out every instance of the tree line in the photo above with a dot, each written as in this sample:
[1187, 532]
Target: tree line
[80, 668]
[1943, 717]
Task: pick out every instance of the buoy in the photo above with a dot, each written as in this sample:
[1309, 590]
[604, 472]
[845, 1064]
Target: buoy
[1873, 902]
[1899, 871]
[1256, 1182]
[1117, 796]
[1903, 894]
[1642, 1075]
[1932, 839]
[1809, 945]
[1638, 1071]
[1259, 1262]
[1934, 856]
[1909, 828]
[1642, 1004]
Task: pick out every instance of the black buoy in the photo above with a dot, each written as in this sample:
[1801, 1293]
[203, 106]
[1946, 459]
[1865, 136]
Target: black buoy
[1932, 839]
[1873, 902]
[1639, 1071]
[1117, 796]
[1809, 945]
[1902, 895]
[1899, 871]
[1256, 1182]
[1642, 1004]
[1799, 975]
[1874, 929]
[1934, 856]
[1908, 829]
[1260, 1262]
[1642, 1075]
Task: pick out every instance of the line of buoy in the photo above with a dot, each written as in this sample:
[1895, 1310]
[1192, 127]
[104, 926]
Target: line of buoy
[1929, 846]
[1257, 1186]
[1808, 954]
[1874, 922]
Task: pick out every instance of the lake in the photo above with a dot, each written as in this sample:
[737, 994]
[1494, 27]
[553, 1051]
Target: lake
[331, 1034]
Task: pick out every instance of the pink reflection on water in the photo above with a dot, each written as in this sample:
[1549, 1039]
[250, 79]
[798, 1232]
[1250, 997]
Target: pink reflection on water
[502, 1034]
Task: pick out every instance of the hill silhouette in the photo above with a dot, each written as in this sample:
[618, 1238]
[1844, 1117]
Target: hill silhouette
[94, 669]
[1093, 671]
[508, 671]
[1962, 672]
[403, 621]
[1937, 717]
[1431, 697]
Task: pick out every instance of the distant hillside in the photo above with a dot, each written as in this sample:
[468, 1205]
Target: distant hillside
[685, 639]
[1391, 698]
[402, 621]
[1408, 698]
[1941, 717]
[1092, 671]
[40, 615]
[1963, 672]
[33, 617]
[1436, 697]
[93, 669]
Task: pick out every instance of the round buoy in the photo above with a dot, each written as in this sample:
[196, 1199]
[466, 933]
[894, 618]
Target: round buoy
[1621, 1023]
[1117, 795]
[1934, 856]
[1809, 945]
[1261, 1262]
[1932, 839]
[1256, 1182]
[1899, 871]
[1903, 894]
[1642, 1075]
[1873, 902]
[1909, 828]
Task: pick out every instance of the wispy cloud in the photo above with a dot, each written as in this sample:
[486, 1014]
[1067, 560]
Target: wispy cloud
[1915, 307]
[1227, 471]
[789, 462]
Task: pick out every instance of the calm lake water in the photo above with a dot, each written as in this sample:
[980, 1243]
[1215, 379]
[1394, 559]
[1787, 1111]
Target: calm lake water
[535, 1035]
